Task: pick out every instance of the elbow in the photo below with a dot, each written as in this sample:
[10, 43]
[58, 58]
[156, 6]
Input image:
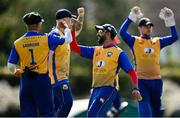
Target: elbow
[174, 33]
[175, 37]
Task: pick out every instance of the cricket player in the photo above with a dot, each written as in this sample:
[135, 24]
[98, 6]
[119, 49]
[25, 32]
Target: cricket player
[146, 50]
[59, 72]
[107, 61]
[31, 51]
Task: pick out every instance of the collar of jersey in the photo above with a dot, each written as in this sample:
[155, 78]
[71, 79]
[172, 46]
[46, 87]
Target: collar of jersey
[31, 33]
[109, 46]
[146, 37]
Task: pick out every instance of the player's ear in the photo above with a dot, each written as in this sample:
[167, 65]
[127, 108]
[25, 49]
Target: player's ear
[109, 35]
[139, 28]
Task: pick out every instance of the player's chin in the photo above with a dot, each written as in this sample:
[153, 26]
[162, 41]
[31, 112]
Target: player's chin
[100, 41]
[99, 37]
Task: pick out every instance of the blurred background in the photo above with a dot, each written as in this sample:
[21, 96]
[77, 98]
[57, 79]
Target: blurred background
[97, 12]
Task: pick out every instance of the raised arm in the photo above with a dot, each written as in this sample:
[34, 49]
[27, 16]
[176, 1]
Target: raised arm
[84, 51]
[80, 21]
[126, 36]
[167, 15]
[54, 39]
[134, 15]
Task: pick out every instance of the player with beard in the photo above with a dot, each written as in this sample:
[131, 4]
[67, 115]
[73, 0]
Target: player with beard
[107, 58]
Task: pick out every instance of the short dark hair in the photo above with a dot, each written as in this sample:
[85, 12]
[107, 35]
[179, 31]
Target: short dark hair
[32, 18]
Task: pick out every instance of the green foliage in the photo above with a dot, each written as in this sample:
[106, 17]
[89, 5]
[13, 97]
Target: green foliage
[4, 4]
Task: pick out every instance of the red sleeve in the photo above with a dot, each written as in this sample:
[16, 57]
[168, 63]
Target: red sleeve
[74, 45]
[133, 75]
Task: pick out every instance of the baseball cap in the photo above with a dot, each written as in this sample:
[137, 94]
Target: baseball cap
[145, 22]
[62, 13]
[32, 18]
[108, 27]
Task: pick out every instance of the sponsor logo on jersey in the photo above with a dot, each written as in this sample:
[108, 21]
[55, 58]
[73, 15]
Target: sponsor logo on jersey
[100, 63]
[148, 50]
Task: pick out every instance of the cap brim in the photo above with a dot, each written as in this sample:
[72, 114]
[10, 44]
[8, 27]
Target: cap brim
[149, 23]
[98, 27]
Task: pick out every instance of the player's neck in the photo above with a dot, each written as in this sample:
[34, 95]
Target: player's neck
[145, 36]
[108, 43]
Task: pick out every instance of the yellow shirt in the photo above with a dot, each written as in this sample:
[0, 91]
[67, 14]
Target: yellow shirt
[30, 53]
[60, 63]
[147, 57]
[105, 63]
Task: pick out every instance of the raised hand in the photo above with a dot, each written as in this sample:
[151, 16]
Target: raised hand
[135, 14]
[80, 11]
[80, 20]
[167, 15]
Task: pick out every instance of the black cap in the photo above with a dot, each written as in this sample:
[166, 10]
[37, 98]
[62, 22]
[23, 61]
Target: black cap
[32, 18]
[145, 22]
[62, 13]
[108, 27]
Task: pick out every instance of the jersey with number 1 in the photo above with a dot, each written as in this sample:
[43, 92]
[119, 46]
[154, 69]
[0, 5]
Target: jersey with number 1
[33, 53]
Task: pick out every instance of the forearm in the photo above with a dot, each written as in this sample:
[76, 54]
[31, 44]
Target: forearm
[174, 33]
[74, 45]
[84, 51]
[134, 78]
[79, 25]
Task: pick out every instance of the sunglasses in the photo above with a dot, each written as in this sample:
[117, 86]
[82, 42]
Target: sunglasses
[101, 31]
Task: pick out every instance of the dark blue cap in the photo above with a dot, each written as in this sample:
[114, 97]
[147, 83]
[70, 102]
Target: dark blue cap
[32, 18]
[63, 13]
[108, 27]
[145, 22]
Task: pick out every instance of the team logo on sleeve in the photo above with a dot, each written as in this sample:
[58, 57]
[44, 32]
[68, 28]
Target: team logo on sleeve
[148, 50]
[109, 54]
[100, 63]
